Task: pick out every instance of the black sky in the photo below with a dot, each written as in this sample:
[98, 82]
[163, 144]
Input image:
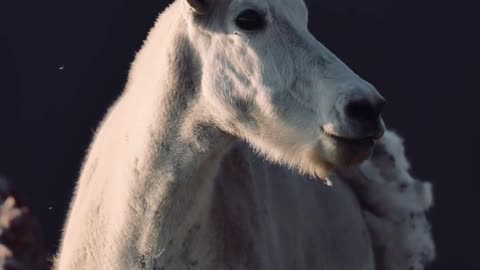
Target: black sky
[62, 63]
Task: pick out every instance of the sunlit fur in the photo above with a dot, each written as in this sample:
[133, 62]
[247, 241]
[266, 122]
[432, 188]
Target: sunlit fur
[168, 182]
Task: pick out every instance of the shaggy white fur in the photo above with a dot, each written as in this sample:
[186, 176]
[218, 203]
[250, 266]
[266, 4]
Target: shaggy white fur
[169, 182]
[394, 204]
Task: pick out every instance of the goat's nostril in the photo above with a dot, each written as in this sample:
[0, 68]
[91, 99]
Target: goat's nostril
[364, 110]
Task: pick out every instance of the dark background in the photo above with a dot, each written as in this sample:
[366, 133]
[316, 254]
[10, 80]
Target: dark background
[62, 63]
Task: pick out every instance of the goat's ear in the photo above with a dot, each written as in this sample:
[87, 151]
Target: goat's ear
[199, 6]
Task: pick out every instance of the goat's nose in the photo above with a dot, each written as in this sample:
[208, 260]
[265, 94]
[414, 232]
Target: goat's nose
[365, 110]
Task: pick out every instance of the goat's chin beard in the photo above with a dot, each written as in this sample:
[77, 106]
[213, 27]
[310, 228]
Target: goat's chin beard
[309, 159]
[317, 165]
[343, 159]
[319, 162]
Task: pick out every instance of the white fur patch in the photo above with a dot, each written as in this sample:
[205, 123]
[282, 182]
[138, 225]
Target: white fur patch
[394, 207]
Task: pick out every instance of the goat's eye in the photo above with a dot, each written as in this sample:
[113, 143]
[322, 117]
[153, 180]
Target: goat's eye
[250, 20]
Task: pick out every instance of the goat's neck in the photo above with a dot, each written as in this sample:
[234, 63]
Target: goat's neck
[175, 169]
[172, 192]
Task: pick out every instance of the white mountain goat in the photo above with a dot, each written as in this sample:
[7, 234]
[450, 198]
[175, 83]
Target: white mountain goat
[168, 182]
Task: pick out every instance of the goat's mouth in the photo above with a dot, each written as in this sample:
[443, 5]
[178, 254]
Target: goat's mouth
[369, 140]
[347, 151]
